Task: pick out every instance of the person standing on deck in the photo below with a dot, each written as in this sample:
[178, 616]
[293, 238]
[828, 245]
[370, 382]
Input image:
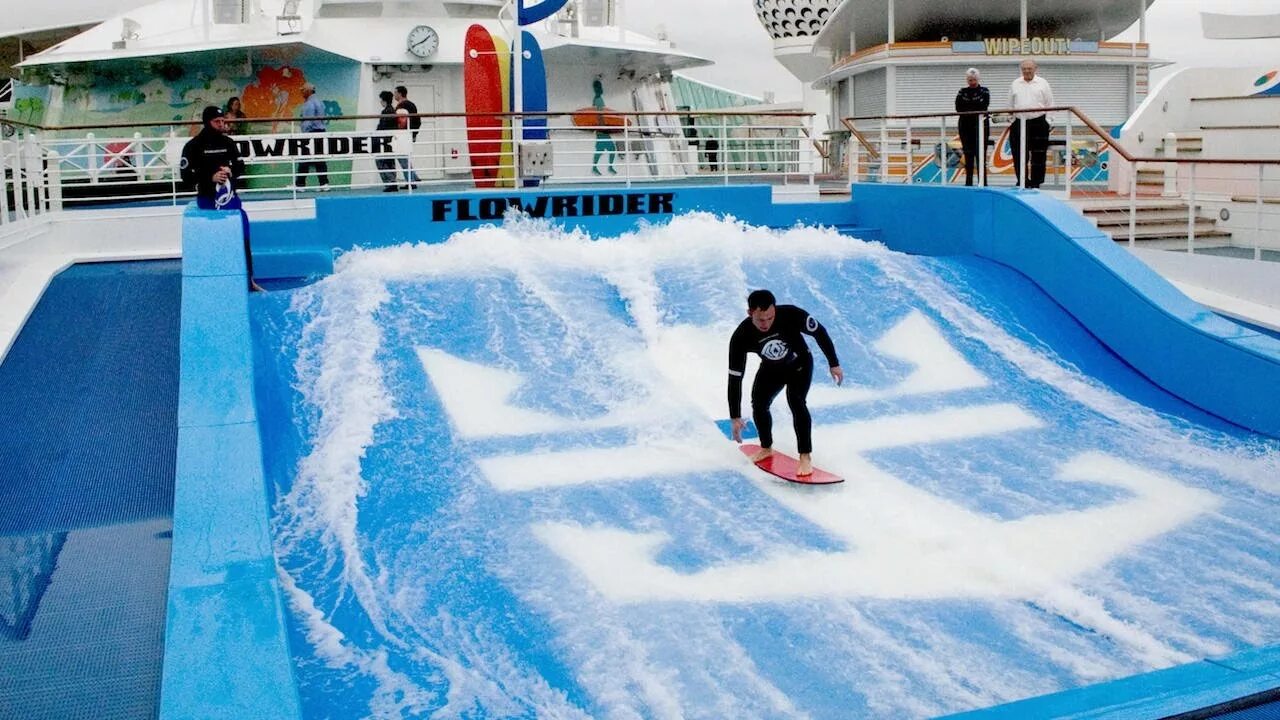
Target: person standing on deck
[313, 121]
[774, 332]
[973, 97]
[1030, 92]
[387, 122]
[412, 123]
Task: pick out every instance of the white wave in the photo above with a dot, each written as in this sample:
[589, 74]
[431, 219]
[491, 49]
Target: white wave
[341, 380]
[483, 673]
[650, 660]
[397, 695]
[1256, 463]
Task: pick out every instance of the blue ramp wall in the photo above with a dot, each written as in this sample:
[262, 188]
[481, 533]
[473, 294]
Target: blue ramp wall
[1178, 344]
[226, 653]
[289, 249]
[1164, 693]
[384, 221]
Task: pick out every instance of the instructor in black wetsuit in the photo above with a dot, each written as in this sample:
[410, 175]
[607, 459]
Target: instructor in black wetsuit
[774, 333]
[211, 162]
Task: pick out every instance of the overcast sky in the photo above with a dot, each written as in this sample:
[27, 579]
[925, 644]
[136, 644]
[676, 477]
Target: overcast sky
[727, 31]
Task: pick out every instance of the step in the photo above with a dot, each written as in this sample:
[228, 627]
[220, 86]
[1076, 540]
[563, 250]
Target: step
[1170, 231]
[1173, 243]
[1089, 206]
[1155, 217]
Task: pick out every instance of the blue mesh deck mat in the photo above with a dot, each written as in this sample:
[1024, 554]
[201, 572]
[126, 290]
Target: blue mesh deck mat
[88, 435]
[1265, 711]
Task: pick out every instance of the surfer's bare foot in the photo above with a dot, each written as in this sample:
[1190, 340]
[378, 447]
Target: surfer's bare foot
[764, 454]
[805, 466]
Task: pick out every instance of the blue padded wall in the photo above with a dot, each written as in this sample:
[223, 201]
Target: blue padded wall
[1163, 693]
[603, 212]
[288, 249]
[226, 652]
[1176, 343]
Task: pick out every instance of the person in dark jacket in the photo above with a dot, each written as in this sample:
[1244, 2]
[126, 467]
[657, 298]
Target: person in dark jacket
[211, 163]
[387, 122]
[973, 97]
[775, 333]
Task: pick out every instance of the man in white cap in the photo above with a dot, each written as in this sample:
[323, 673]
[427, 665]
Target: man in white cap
[1030, 92]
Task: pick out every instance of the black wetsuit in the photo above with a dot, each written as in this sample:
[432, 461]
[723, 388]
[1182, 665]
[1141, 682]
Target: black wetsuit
[202, 156]
[785, 361]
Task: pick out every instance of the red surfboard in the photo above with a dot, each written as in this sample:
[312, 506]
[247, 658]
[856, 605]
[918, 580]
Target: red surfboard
[782, 466]
[482, 91]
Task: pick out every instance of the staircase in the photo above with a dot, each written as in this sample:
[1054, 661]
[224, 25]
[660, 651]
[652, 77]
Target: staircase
[1158, 223]
[1151, 175]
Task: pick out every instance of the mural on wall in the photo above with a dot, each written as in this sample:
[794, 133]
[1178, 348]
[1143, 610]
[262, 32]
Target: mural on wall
[29, 109]
[178, 89]
[1267, 84]
[1089, 164]
[277, 93]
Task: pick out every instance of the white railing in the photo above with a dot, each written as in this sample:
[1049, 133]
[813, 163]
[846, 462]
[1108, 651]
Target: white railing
[1177, 199]
[53, 168]
[25, 194]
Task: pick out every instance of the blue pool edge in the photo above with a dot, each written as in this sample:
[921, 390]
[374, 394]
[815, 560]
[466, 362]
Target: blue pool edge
[226, 649]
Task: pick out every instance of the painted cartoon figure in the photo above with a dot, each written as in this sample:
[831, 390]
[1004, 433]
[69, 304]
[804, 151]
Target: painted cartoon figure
[604, 143]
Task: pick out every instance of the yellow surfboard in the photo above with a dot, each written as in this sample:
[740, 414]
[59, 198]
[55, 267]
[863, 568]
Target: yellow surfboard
[506, 165]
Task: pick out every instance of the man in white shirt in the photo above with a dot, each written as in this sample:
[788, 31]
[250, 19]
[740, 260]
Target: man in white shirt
[1029, 92]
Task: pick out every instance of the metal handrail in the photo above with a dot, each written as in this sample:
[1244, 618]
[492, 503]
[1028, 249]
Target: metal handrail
[862, 139]
[1088, 122]
[424, 116]
[127, 160]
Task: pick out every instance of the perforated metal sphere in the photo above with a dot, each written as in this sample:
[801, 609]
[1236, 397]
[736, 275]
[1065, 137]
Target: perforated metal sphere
[794, 18]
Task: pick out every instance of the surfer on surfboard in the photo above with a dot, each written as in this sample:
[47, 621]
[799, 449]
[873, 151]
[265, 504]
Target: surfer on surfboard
[775, 333]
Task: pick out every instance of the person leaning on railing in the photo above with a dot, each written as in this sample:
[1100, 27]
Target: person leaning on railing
[973, 97]
[1030, 91]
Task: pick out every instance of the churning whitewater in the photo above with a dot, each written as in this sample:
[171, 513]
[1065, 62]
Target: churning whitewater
[501, 490]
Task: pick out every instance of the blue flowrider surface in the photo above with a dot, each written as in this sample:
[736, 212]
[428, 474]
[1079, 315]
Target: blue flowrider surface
[501, 489]
[88, 407]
